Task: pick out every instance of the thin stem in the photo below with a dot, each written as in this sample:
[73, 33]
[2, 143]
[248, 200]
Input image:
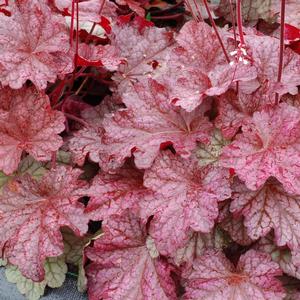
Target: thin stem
[240, 22]
[233, 19]
[74, 118]
[82, 85]
[77, 28]
[191, 9]
[280, 67]
[72, 23]
[216, 30]
[53, 160]
[169, 17]
[233, 22]
[199, 17]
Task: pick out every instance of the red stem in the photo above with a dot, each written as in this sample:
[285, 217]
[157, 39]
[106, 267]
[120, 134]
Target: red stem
[240, 22]
[72, 23]
[77, 28]
[199, 17]
[53, 160]
[216, 30]
[190, 8]
[233, 22]
[280, 67]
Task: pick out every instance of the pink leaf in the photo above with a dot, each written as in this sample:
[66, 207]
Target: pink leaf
[280, 255]
[34, 45]
[234, 225]
[31, 214]
[190, 196]
[88, 140]
[134, 5]
[28, 125]
[149, 122]
[98, 56]
[213, 277]
[235, 110]
[270, 207]
[113, 193]
[267, 147]
[197, 244]
[198, 67]
[125, 263]
[89, 10]
[145, 55]
[264, 52]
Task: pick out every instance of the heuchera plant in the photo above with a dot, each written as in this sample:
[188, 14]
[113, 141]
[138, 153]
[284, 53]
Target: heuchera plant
[151, 148]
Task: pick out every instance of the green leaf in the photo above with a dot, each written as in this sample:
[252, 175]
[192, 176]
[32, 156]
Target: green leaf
[3, 179]
[82, 279]
[31, 290]
[3, 262]
[74, 252]
[148, 16]
[209, 154]
[55, 275]
[56, 269]
[27, 166]
[32, 167]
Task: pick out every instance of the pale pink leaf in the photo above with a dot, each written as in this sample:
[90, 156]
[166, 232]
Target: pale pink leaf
[148, 123]
[88, 140]
[292, 13]
[270, 207]
[197, 67]
[89, 10]
[281, 255]
[125, 263]
[214, 277]
[32, 213]
[34, 45]
[145, 55]
[113, 193]
[268, 146]
[190, 196]
[234, 111]
[28, 125]
[264, 50]
[100, 55]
